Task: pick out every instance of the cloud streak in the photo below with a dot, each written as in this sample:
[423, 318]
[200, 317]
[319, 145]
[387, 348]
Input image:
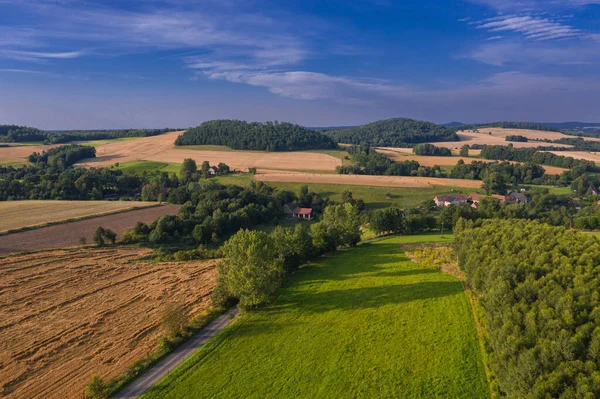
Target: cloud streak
[533, 28]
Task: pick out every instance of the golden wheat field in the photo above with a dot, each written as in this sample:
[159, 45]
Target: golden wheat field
[161, 148]
[20, 214]
[66, 315]
[363, 180]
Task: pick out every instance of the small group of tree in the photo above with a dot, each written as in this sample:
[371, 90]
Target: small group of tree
[256, 263]
[62, 157]
[431, 150]
[517, 138]
[395, 132]
[538, 290]
[103, 237]
[268, 136]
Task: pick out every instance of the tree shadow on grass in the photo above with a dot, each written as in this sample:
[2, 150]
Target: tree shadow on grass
[367, 297]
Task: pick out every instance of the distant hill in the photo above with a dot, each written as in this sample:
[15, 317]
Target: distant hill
[268, 136]
[22, 134]
[396, 132]
[582, 127]
[453, 124]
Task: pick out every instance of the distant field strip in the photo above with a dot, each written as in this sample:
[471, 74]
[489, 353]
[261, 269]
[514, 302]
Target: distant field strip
[68, 234]
[364, 180]
[399, 155]
[66, 315]
[20, 214]
[364, 323]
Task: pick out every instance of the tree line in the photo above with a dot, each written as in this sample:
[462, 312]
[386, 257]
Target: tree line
[268, 136]
[53, 175]
[431, 150]
[20, 134]
[395, 132]
[538, 290]
[516, 138]
[532, 155]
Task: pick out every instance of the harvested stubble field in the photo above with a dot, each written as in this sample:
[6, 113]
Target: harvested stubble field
[363, 180]
[20, 214]
[530, 134]
[586, 156]
[65, 315]
[69, 234]
[471, 138]
[401, 156]
[161, 148]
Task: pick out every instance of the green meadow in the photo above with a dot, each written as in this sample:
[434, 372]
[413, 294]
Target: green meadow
[363, 323]
[139, 167]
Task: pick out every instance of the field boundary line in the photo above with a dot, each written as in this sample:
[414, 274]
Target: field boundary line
[96, 215]
[164, 366]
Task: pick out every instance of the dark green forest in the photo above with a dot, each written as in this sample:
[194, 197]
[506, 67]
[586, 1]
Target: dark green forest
[538, 287]
[268, 136]
[396, 132]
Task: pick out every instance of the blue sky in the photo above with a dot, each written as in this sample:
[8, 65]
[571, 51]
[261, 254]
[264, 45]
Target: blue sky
[75, 64]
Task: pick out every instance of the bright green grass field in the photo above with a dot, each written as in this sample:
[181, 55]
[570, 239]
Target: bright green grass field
[138, 167]
[374, 197]
[365, 323]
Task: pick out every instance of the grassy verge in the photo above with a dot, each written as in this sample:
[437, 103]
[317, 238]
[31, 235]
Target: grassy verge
[39, 226]
[14, 162]
[366, 322]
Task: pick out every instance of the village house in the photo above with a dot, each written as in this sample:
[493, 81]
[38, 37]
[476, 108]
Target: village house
[443, 201]
[212, 171]
[288, 209]
[303, 213]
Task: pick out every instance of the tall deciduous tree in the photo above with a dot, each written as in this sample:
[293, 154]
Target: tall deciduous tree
[252, 270]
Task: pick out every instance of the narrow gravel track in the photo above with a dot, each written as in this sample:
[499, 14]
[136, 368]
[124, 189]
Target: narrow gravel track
[152, 376]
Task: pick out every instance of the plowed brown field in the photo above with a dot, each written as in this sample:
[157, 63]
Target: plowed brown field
[19, 214]
[68, 234]
[65, 315]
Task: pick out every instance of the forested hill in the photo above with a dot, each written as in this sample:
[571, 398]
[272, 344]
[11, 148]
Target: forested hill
[396, 132]
[268, 136]
[21, 134]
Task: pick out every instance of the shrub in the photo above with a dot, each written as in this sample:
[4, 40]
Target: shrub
[102, 236]
[96, 388]
[174, 319]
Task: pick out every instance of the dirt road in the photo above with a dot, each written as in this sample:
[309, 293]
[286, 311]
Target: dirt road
[152, 376]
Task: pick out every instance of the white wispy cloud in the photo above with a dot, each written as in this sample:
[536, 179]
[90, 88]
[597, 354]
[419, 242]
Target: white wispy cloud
[534, 28]
[504, 5]
[38, 55]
